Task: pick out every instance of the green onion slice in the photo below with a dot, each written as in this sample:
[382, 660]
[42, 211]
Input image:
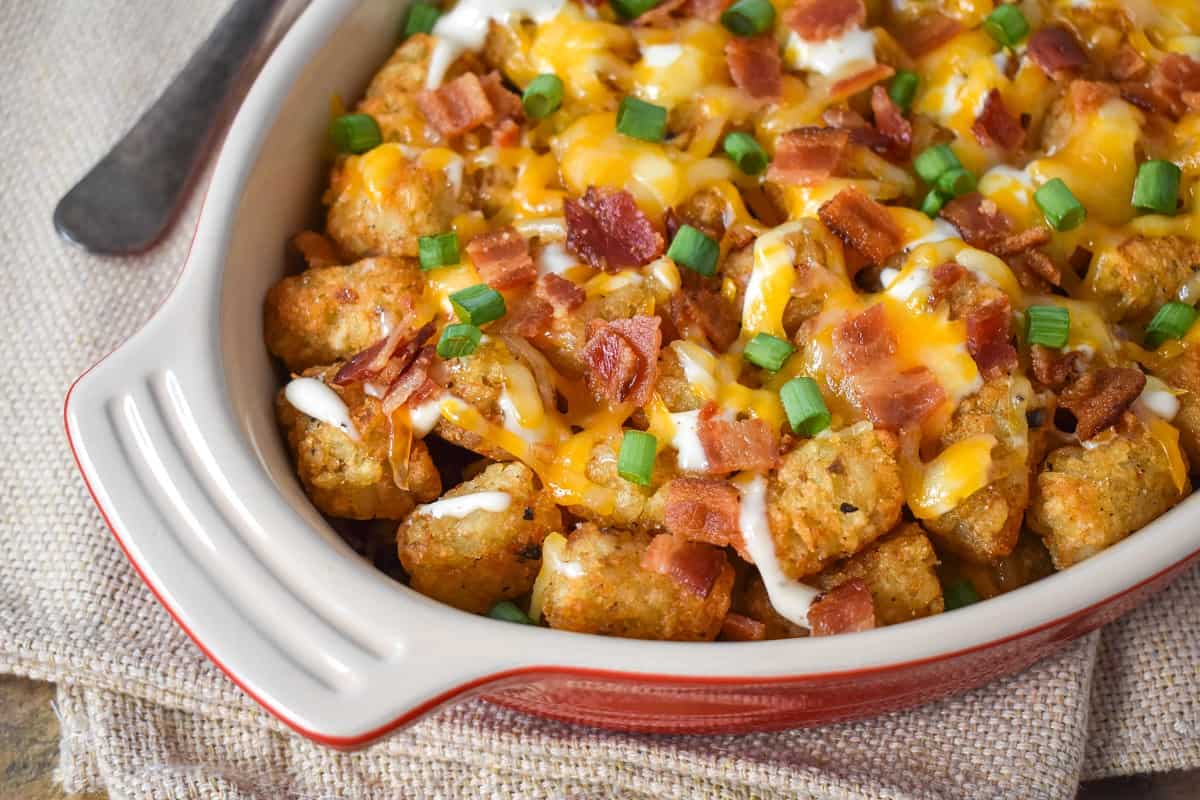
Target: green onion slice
[1047, 325]
[903, 88]
[1172, 321]
[421, 18]
[439, 250]
[355, 133]
[507, 610]
[806, 410]
[458, 340]
[935, 161]
[631, 9]
[636, 460]
[478, 304]
[749, 17]
[542, 96]
[767, 351]
[1062, 210]
[746, 152]
[1007, 24]
[959, 594]
[955, 182]
[641, 120]
[1157, 187]
[933, 203]
[693, 249]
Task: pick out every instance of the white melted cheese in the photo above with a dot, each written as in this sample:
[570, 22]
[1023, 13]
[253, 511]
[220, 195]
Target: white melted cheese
[836, 57]
[790, 598]
[555, 258]
[1158, 399]
[312, 397]
[424, 417]
[466, 504]
[940, 232]
[466, 26]
[661, 55]
[689, 450]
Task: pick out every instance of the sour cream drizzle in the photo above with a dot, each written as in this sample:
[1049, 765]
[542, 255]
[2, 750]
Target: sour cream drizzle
[689, 450]
[790, 598]
[312, 397]
[466, 504]
[466, 27]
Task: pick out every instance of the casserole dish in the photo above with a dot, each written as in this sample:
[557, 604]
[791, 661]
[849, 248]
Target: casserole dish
[175, 436]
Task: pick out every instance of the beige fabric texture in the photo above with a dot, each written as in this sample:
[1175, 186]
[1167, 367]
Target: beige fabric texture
[145, 715]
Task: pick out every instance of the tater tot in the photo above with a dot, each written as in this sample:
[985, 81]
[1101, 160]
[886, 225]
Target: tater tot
[900, 570]
[1132, 280]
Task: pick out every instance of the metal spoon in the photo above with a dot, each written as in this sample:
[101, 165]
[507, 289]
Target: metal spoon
[126, 202]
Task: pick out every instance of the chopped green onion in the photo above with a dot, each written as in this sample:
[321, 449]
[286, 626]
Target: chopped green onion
[542, 96]
[936, 160]
[806, 410]
[1007, 25]
[630, 9]
[507, 610]
[1062, 210]
[959, 594]
[478, 304]
[955, 182]
[1171, 321]
[933, 203]
[355, 133]
[1156, 187]
[641, 120]
[636, 460]
[903, 88]
[746, 152]
[767, 351]
[1047, 325]
[421, 18]
[694, 250]
[458, 340]
[439, 250]
[749, 17]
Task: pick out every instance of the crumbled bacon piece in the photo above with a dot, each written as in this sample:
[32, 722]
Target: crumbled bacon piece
[807, 155]
[996, 125]
[860, 81]
[502, 258]
[1053, 368]
[845, 609]
[928, 33]
[1056, 51]
[945, 276]
[988, 339]
[458, 106]
[1099, 398]
[979, 220]
[506, 105]
[531, 316]
[1127, 64]
[698, 312]
[895, 400]
[864, 340]
[733, 445]
[563, 295]
[708, 10]
[863, 224]
[1174, 86]
[606, 229]
[507, 133]
[818, 20]
[1026, 240]
[1087, 96]
[622, 359]
[891, 124]
[693, 565]
[754, 65]
[413, 384]
[739, 628]
[400, 345]
[704, 510]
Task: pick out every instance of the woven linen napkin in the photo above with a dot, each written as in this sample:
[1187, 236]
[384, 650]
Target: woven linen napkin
[146, 715]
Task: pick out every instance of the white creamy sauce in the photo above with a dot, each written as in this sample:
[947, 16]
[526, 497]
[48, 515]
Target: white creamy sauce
[661, 55]
[312, 397]
[689, 450]
[512, 419]
[374, 390]
[466, 27]
[466, 504]
[386, 321]
[834, 58]
[902, 287]
[424, 417]
[1158, 399]
[694, 369]
[790, 598]
[950, 92]
[887, 276]
[941, 231]
[454, 174]
[555, 258]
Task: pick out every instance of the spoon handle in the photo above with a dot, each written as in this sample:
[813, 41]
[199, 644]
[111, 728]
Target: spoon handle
[125, 203]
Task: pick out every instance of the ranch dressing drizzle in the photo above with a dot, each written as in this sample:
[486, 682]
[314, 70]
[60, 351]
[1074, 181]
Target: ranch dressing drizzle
[312, 397]
[790, 598]
[466, 27]
[466, 504]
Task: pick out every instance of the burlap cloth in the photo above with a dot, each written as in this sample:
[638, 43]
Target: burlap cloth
[145, 715]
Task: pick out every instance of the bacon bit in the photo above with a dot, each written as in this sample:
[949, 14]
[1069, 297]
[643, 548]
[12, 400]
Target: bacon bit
[458, 106]
[929, 33]
[895, 400]
[413, 384]
[507, 133]
[846, 609]
[818, 20]
[733, 445]
[606, 229]
[622, 359]
[1035, 271]
[1099, 398]
[531, 316]
[979, 220]
[1021, 242]
[697, 312]
[1087, 96]
[1127, 64]
[891, 124]
[1056, 51]
[398, 346]
[755, 66]
[502, 258]
[808, 155]
[996, 125]
[708, 10]
[693, 565]
[945, 276]
[988, 339]
[704, 510]
[563, 295]
[738, 628]
[1174, 86]
[862, 224]
[1052, 368]
[861, 132]
[506, 105]
[860, 81]
[864, 340]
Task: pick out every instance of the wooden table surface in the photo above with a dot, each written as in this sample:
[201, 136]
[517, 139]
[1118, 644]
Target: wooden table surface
[29, 755]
